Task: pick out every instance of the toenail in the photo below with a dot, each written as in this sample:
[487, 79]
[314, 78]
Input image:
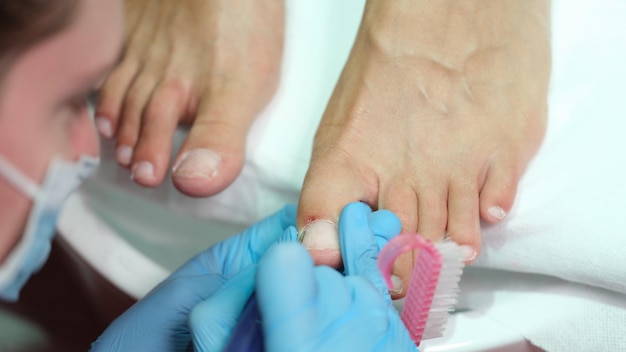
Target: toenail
[142, 171]
[198, 162]
[123, 154]
[397, 285]
[104, 127]
[497, 212]
[468, 253]
[319, 235]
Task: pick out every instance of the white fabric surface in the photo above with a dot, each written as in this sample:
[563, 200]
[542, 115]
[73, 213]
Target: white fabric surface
[569, 216]
[567, 221]
[553, 314]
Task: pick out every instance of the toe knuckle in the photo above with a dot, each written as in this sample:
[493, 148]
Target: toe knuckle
[174, 89]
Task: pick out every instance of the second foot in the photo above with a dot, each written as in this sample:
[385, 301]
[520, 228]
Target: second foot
[213, 64]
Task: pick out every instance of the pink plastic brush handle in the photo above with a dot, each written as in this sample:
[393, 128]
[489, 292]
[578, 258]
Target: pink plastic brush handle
[426, 270]
[399, 245]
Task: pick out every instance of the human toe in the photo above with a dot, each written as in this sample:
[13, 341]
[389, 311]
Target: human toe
[432, 212]
[108, 110]
[464, 218]
[400, 198]
[213, 153]
[154, 142]
[128, 127]
[498, 193]
[329, 185]
[194, 170]
[320, 237]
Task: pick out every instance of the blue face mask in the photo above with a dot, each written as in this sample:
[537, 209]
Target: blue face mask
[29, 255]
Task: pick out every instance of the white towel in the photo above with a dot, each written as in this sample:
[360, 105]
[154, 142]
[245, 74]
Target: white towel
[555, 315]
[569, 219]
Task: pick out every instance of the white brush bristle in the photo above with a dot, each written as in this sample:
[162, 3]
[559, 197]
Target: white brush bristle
[447, 290]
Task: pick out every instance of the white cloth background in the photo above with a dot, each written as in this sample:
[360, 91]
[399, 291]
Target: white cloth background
[569, 218]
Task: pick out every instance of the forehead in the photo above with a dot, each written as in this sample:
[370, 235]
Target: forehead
[98, 26]
[91, 42]
[61, 64]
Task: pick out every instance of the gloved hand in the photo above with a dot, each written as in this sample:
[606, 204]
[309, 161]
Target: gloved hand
[307, 308]
[158, 322]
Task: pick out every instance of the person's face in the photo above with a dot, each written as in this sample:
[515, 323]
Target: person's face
[42, 103]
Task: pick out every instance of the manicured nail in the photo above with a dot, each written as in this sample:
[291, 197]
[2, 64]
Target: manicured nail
[397, 285]
[143, 171]
[200, 162]
[123, 155]
[468, 253]
[497, 212]
[104, 127]
[319, 235]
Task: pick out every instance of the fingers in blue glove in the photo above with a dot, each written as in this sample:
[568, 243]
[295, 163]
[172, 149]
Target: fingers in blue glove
[359, 229]
[385, 225]
[289, 235]
[212, 321]
[355, 237]
[286, 291]
[288, 215]
[307, 308]
[158, 322]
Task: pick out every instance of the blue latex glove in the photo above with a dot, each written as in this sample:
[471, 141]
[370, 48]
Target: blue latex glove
[308, 308]
[159, 322]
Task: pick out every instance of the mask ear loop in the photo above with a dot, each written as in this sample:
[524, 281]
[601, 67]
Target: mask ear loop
[17, 178]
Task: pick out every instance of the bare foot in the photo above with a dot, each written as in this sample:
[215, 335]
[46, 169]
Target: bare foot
[212, 63]
[437, 113]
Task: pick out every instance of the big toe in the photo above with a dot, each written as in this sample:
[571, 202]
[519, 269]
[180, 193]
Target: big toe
[203, 171]
[212, 156]
[151, 155]
[327, 188]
